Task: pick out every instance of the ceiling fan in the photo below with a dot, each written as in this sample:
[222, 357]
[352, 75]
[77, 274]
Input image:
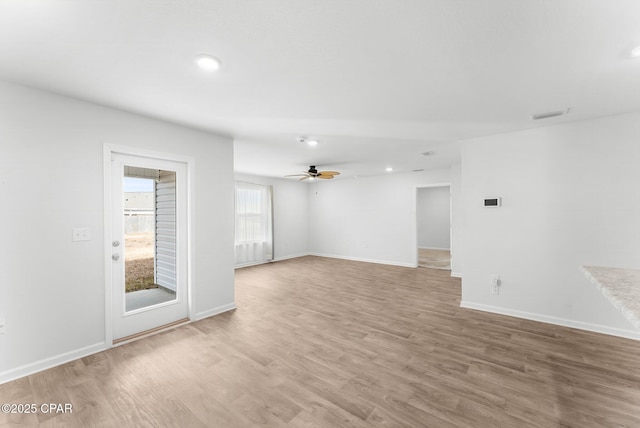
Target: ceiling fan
[314, 173]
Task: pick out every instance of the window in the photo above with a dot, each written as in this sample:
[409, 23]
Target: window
[249, 219]
[254, 241]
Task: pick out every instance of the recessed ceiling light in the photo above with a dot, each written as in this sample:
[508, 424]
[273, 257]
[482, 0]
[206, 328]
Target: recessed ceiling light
[207, 62]
[635, 52]
[389, 169]
[308, 142]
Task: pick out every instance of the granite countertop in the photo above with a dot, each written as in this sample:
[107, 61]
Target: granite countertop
[621, 287]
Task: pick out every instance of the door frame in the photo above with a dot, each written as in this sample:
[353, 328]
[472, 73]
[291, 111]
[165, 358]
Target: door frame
[108, 151]
[415, 216]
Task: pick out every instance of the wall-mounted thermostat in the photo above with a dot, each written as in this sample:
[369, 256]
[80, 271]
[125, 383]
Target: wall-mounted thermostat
[492, 202]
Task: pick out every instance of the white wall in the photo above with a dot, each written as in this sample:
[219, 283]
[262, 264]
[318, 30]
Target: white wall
[52, 290]
[290, 215]
[370, 218]
[434, 217]
[570, 198]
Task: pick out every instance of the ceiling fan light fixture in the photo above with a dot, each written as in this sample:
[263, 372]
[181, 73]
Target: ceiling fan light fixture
[388, 169]
[207, 62]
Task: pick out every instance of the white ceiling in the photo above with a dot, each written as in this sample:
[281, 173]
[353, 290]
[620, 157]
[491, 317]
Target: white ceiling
[377, 82]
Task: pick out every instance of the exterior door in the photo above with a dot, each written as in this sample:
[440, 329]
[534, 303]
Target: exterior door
[148, 244]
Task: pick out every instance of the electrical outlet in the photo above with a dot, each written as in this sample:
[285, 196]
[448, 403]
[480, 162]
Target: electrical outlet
[495, 284]
[81, 234]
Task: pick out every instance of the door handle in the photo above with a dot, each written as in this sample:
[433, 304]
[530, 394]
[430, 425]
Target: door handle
[115, 257]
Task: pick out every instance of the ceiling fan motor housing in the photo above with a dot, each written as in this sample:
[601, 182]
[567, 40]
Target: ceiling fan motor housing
[313, 173]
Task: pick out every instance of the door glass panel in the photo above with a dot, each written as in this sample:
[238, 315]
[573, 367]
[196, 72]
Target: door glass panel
[149, 237]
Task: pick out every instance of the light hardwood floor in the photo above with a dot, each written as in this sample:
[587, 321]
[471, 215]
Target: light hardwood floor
[434, 259]
[332, 343]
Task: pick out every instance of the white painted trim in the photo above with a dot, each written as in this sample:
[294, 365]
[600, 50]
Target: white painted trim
[360, 259]
[108, 316]
[456, 274]
[415, 219]
[435, 248]
[191, 234]
[47, 363]
[596, 328]
[444, 184]
[215, 311]
[146, 153]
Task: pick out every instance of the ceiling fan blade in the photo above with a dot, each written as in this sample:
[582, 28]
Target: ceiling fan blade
[304, 178]
[297, 175]
[326, 177]
[329, 173]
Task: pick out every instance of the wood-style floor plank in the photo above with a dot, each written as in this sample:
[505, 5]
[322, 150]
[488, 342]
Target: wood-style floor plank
[319, 342]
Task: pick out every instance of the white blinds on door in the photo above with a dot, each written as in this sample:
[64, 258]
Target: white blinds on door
[254, 231]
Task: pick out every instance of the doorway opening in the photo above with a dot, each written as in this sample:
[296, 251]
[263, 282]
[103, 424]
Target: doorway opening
[433, 227]
[149, 237]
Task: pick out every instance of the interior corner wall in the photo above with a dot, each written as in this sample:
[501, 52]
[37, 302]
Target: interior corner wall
[290, 215]
[52, 290]
[433, 215]
[569, 198]
[369, 219]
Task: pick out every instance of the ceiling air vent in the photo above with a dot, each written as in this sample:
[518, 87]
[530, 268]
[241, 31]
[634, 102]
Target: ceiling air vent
[549, 114]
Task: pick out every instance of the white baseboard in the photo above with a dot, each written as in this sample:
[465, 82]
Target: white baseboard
[435, 248]
[214, 311]
[331, 256]
[293, 256]
[596, 328]
[263, 262]
[47, 363]
[360, 259]
[248, 264]
[456, 274]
